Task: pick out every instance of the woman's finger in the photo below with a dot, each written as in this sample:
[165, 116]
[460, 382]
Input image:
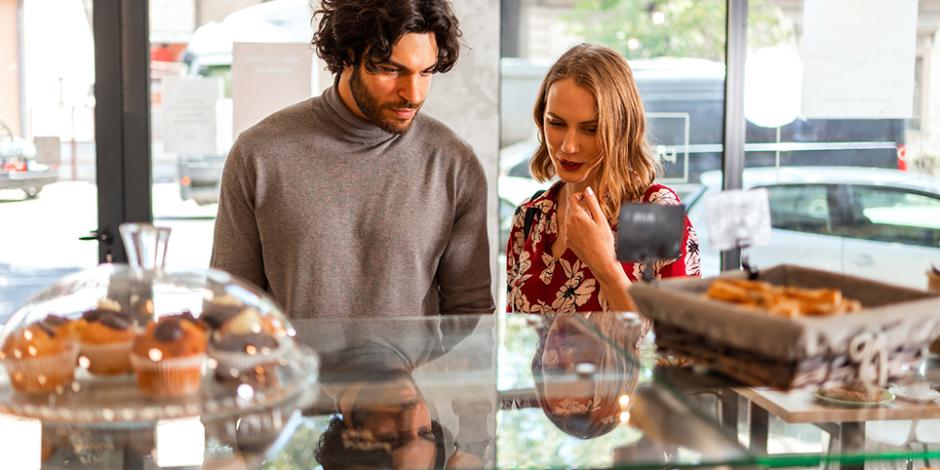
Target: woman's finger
[593, 207]
[575, 207]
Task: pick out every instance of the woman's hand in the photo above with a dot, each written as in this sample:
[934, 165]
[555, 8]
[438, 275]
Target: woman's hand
[590, 238]
[588, 234]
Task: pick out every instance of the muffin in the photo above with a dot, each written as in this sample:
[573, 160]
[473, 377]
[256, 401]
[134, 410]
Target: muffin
[249, 358]
[239, 320]
[62, 325]
[168, 357]
[39, 358]
[105, 339]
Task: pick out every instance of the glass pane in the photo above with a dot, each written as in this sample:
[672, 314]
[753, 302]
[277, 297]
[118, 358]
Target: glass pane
[866, 136]
[48, 196]
[194, 118]
[676, 52]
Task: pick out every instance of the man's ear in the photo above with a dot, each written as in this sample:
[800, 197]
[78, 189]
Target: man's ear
[352, 60]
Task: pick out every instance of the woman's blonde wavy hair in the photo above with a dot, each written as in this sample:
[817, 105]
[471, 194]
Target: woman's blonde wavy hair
[627, 167]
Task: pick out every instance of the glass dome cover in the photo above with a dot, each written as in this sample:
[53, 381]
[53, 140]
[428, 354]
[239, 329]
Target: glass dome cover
[138, 343]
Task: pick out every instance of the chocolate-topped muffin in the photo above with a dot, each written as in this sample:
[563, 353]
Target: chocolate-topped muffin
[39, 358]
[168, 357]
[105, 338]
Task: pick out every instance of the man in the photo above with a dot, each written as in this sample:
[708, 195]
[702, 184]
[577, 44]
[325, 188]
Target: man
[353, 203]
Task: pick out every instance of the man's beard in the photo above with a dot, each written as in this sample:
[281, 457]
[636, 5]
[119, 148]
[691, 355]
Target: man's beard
[372, 109]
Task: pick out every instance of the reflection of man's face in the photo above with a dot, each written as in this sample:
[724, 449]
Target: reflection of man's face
[396, 414]
[390, 96]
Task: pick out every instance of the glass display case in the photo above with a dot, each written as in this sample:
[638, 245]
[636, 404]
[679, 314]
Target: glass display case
[124, 345]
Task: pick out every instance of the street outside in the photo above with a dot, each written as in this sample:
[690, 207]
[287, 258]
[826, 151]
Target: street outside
[39, 237]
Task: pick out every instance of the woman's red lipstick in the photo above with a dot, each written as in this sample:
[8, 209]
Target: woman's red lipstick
[569, 166]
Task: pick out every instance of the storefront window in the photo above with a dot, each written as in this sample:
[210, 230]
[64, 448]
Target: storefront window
[47, 144]
[839, 119]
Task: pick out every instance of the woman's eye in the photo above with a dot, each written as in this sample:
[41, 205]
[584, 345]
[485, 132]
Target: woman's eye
[590, 130]
[556, 123]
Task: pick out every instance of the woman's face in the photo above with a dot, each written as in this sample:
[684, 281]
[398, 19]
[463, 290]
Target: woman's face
[570, 127]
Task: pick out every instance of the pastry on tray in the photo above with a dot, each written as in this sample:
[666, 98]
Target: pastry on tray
[782, 300]
[168, 357]
[40, 358]
[855, 392]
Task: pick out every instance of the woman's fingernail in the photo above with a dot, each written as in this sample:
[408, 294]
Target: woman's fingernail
[590, 191]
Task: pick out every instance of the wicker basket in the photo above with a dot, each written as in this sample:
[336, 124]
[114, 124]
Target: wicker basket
[880, 342]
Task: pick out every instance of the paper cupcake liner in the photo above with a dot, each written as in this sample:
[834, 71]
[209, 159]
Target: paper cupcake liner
[170, 377]
[107, 359]
[43, 373]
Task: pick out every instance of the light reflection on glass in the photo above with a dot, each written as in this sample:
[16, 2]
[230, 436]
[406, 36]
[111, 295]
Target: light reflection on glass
[180, 442]
[20, 442]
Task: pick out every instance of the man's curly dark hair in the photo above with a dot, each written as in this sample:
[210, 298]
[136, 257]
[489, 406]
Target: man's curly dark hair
[353, 30]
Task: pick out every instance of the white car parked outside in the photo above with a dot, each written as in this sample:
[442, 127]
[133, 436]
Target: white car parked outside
[875, 223]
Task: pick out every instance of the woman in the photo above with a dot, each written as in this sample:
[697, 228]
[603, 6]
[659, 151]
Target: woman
[592, 135]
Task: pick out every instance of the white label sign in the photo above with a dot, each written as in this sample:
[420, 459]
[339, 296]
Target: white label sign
[267, 77]
[738, 218]
[189, 114]
[858, 58]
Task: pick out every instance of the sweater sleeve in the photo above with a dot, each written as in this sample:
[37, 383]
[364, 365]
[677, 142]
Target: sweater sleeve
[236, 246]
[463, 274]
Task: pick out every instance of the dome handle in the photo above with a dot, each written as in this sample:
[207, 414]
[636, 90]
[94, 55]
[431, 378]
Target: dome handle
[145, 245]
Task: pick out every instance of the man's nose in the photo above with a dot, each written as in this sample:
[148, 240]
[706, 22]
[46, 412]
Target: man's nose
[411, 88]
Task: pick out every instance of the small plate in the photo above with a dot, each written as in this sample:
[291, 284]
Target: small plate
[905, 393]
[887, 397]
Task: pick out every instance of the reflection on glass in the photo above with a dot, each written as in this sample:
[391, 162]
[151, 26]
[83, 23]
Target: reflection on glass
[20, 442]
[382, 419]
[582, 383]
[179, 442]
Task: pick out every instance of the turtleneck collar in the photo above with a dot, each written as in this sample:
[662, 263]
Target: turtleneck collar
[355, 127]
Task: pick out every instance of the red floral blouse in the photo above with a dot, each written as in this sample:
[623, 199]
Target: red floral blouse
[537, 282]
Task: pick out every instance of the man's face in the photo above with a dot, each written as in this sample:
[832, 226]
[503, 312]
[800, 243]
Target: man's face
[391, 96]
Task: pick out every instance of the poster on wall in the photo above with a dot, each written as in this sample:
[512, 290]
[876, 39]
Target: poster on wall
[863, 68]
[189, 115]
[267, 77]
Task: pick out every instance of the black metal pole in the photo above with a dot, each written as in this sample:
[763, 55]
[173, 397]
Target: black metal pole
[122, 119]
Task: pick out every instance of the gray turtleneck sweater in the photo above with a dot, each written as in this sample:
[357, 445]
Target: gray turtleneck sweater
[335, 217]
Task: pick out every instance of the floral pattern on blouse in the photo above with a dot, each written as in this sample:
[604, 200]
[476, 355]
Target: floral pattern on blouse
[538, 282]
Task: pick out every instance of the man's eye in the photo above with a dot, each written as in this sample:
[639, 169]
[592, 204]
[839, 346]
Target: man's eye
[389, 69]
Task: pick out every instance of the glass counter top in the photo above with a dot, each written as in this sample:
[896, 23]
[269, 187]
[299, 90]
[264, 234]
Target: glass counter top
[503, 391]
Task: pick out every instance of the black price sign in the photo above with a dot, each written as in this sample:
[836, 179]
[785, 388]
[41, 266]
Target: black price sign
[649, 232]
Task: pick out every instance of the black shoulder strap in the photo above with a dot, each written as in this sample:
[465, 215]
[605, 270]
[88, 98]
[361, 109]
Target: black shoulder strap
[530, 214]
